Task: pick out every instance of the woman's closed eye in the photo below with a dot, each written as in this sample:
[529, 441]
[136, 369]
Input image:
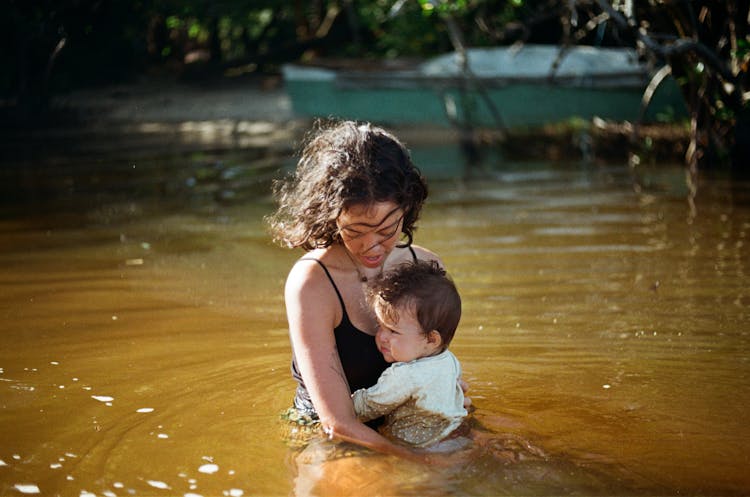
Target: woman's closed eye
[352, 231]
[389, 231]
[386, 232]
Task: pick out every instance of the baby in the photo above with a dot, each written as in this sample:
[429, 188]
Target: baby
[418, 310]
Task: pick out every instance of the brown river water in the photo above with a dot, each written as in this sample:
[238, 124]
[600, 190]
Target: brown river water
[144, 350]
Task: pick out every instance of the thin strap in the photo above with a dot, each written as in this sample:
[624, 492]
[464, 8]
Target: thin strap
[413, 254]
[343, 308]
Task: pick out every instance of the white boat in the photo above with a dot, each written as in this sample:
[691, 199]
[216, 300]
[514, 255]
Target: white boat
[502, 86]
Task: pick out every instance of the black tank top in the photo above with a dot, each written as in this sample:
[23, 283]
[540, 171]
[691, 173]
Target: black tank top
[362, 361]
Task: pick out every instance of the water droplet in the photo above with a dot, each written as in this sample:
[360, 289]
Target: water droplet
[27, 488]
[208, 468]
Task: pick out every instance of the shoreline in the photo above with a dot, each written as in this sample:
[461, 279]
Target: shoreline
[257, 111]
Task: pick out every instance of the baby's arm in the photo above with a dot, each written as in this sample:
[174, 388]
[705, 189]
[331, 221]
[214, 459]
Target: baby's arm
[392, 390]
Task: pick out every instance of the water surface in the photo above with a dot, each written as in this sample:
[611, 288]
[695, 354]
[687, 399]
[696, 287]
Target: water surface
[144, 348]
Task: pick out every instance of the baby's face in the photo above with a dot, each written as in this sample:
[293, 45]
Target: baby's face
[402, 340]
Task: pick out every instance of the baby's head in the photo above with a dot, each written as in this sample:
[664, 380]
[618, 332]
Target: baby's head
[418, 309]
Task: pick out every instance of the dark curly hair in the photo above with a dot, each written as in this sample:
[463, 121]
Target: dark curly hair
[424, 287]
[344, 164]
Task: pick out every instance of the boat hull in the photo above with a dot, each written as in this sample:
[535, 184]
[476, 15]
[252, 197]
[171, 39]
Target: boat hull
[449, 97]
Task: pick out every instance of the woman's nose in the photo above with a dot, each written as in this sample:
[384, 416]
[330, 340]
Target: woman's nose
[371, 240]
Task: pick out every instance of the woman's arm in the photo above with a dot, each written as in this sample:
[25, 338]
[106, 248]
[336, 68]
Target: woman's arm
[312, 311]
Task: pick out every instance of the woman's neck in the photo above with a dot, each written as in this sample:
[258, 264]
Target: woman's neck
[363, 274]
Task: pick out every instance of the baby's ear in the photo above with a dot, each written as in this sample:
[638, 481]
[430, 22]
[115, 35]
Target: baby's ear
[435, 338]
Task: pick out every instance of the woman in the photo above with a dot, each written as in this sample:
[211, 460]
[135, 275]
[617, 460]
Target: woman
[352, 204]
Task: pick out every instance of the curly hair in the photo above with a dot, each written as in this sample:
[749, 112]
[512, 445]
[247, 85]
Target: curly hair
[344, 164]
[426, 289]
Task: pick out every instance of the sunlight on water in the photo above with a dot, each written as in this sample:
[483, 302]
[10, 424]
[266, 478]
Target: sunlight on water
[605, 338]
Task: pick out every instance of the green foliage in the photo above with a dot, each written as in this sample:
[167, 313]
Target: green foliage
[410, 32]
[55, 45]
[110, 41]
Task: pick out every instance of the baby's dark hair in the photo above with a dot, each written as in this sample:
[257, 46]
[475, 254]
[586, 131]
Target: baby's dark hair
[342, 165]
[424, 287]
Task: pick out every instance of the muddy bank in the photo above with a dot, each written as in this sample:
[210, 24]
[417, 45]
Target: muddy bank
[166, 100]
[599, 140]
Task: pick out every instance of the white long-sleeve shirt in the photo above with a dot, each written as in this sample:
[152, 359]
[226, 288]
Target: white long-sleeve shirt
[421, 400]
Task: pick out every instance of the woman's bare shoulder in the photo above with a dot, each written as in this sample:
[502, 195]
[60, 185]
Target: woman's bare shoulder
[311, 301]
[424, 254]
[307, 276]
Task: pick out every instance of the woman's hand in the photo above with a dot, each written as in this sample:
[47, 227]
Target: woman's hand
[465, 387]
[446, 459]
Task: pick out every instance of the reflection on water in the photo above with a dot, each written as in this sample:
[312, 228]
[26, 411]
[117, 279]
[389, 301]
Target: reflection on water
[144, 348]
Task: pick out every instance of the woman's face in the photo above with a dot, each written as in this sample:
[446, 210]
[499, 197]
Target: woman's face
[370, 232]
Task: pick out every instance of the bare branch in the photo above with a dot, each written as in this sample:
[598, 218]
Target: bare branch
[679, 47]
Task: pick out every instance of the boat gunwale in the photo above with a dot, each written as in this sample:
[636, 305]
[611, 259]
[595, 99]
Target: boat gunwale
[624, 80]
